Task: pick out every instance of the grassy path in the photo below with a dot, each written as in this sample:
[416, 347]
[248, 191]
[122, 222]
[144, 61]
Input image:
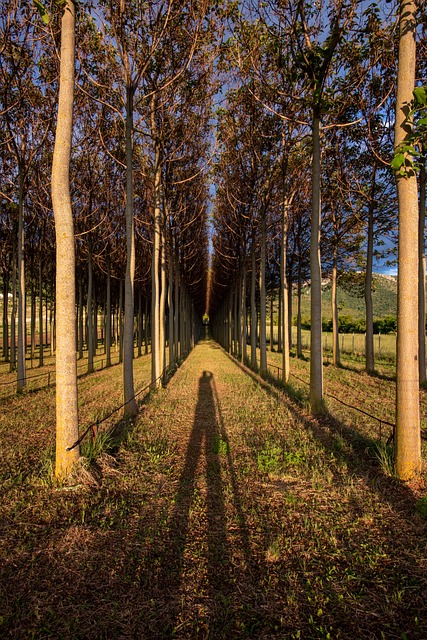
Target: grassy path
[227, 512]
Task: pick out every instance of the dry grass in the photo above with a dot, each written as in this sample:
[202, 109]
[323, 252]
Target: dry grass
[227, 512]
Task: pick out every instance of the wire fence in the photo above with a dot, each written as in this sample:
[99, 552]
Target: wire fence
[50, 374]
[94, 426]
[381, 421]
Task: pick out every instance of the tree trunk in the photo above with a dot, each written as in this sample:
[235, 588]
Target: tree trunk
[244, 317]
[5, 347]
[67, 426]
[284, 294]
[41, 337]
[262, 293]
[89, 314]
[155, 279]
[108, 315]
[316, 364]
[130, 408]
[408, 440]
[422, 275]
[13, 312]
[299, 319]
[336, 358]
[162, 309]
[271, 320]
[22, 325]
[369, 341]
[254, 363]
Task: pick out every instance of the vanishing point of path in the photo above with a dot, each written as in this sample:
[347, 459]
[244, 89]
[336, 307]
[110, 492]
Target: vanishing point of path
[226, 513]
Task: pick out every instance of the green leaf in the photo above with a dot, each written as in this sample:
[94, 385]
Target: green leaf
[420, 95]
[44, 14]
[398, 161]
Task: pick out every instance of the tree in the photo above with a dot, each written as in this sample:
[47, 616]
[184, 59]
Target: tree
[67, 426]
[408, 439]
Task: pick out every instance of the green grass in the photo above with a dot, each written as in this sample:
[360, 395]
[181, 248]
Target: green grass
[226, 511]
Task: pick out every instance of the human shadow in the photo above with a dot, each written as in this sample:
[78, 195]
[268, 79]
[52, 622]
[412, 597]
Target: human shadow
[197, 530]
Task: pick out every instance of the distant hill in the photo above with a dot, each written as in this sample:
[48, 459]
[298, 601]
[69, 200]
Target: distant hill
[352, 304]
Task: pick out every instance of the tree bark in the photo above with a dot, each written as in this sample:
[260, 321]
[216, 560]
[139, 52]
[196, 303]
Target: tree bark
[67, 426]
[422, 275]
[369, 340]
[155, 278]
[284, 294]
[130, 408]
[336, 357]
[262, 293]
[316, 364]
[254, 363]
[408, 439]
[22, 325]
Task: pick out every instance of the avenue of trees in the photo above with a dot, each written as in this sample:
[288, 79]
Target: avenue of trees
[117, 119]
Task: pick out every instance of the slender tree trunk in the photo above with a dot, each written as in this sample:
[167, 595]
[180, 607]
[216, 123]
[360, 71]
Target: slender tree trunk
[262, 323]
[155, 278]
[130, 408]
[108, 315]
[408, 440]
[254, 362]
[120, 322]
[13, 313]
[299, 318]
[422, 275]
[41, 337]
[80, 340]
[369, 341]
[146, 327]
[172, 335]
[316, 364]
[139, 324]
[162, 310]
[89, 314]
[22, 325]
[244, 318]
[271, 320]
[177, 306]
[33, 320]
[284, 294]
[67, 426]
[336, 358]
[5, 348]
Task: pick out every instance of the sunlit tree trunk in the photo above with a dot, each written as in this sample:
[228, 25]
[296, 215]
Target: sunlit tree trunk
[316, 364]
[299, 328]
[408, 439]
[108, 315]
[254, 363]
[162, 310]
[155, 277]
[5, 347]
[89, 307]
[369, 340]
[130, 408]
[67, 427]
[244, 324]
[262, 293]
[284, 294]
[22, 325]
[336, 357]
[41, 339]
[422, 275]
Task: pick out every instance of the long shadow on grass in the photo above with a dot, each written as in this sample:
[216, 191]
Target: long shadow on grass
[358, 454]
[195, 579]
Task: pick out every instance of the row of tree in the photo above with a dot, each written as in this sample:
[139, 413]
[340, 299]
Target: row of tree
[304, 172]
[129, 147]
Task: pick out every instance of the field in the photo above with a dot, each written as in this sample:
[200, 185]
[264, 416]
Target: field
[224, 511]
